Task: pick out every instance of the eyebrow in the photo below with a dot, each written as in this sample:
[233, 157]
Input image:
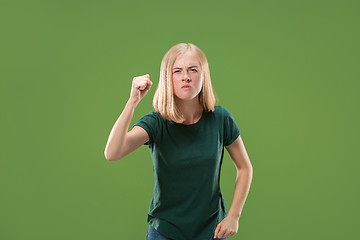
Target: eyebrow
[188, 67]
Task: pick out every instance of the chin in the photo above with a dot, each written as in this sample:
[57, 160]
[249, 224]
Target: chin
[186, 98]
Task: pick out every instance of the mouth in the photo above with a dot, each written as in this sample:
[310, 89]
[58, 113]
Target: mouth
[186, 87]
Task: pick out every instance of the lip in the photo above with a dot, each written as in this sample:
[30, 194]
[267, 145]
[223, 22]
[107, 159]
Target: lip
[186, 87]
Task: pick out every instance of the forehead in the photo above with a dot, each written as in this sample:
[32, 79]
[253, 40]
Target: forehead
[188, 59]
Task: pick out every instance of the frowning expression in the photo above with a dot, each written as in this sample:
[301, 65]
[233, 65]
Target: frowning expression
[186, 76]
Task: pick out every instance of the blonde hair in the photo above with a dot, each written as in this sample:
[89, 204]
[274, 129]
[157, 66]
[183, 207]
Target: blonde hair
[163, 101]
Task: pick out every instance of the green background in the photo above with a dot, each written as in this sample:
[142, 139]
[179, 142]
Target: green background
[288, 71]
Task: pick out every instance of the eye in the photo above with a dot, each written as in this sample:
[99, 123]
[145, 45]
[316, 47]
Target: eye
[176, 71]
[194, 69]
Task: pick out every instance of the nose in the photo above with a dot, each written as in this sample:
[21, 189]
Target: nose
[186, 77]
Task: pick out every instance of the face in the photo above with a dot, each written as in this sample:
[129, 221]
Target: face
[187, 72]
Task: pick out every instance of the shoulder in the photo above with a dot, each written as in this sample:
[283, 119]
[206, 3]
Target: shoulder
[152, 115]
[221, 111]
[152, 119]
[151, 122]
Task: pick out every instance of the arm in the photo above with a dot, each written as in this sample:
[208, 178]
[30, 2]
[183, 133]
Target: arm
[121, 142]
[118, 133]
[244, 173]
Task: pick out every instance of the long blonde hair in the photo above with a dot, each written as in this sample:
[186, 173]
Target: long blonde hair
[163, 101]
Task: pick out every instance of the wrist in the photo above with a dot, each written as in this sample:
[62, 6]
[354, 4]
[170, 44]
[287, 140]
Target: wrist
[132, 102]
[234, 216]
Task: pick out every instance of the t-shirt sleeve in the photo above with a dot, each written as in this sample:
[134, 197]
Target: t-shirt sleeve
[149, 122]
[231, 129]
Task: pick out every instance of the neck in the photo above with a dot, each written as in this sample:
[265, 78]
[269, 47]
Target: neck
[190, 109]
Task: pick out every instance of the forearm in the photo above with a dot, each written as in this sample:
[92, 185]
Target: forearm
[242, 186]
[119, 130]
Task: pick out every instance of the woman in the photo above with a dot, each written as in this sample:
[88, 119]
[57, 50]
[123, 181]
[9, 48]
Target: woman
[186, 136]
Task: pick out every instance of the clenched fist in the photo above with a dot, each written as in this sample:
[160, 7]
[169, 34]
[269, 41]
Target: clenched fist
[140, 87]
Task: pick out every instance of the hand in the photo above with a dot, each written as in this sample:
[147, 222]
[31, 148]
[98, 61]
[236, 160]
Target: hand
[227, 227]
[139, 88]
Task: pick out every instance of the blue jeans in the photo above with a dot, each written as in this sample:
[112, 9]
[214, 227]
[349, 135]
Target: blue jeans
[153, 234]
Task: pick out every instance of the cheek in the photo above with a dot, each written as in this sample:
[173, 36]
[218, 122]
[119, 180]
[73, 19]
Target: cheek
[199, 83]
[176, 85]
[177, 82]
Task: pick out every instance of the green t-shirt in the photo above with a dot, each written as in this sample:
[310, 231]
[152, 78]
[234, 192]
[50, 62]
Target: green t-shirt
[187, 202]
